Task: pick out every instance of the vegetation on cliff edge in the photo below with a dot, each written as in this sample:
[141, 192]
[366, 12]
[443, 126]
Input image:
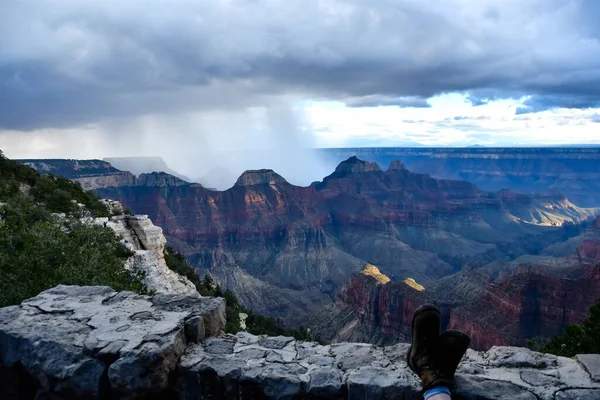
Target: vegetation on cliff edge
[39, 250]
[581, 338]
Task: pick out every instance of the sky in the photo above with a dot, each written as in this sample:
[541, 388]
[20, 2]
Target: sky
[200, 82]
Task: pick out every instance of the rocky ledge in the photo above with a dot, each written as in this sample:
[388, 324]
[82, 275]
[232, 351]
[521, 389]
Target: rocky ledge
[91, 342]
[245, 366]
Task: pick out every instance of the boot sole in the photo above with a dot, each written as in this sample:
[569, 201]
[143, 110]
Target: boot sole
[422, 309]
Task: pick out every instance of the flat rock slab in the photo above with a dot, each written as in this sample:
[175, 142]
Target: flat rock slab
[69, 338]
[578, 394]
[478, 388]
[255, 367]
[591, 362]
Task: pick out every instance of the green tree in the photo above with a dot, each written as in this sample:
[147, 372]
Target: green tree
[39, 250]
[581, 338]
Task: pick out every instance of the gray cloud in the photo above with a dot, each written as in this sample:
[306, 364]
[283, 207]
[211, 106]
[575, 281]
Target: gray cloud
[378, 100]
[70, 62]
[539, 103]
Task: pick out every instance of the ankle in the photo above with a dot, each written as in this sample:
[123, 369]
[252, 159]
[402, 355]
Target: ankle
[441, 396]
[437, 393]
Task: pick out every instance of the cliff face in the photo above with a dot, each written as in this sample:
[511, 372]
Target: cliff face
[91, 174]
[589, 251]
[91, 342]
[572, 171]
[96, 174]
[502, 307]
[147, 243]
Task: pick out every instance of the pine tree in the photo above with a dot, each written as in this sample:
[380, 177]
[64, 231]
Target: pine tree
[579, 338]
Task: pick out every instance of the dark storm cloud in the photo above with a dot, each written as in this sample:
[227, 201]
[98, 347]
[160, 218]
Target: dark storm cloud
[66, 62]
[538, 103]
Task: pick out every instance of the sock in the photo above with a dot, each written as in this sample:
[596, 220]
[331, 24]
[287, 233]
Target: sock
[436, 390]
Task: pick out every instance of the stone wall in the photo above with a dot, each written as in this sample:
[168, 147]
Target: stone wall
[91, 342]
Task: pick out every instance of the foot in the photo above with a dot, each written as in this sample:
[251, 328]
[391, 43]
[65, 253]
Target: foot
[434, 357]
[454, 345]
[425, 357]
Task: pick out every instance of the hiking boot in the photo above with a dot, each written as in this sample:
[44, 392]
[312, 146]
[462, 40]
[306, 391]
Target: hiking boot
[425, 356]
[453, 345]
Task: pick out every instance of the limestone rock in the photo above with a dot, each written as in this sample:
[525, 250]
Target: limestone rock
[511, 357]
[242, 364]
[148, 243]
[578, 394]
[591, 362]
[381, 383]
[67, 339]
[114, 207]
[477, 388]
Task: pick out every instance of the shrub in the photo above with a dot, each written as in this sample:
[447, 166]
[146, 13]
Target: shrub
[39, 250]
[581, 338]
[57, 194]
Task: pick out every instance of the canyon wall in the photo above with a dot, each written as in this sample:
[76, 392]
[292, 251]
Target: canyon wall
[495, 308]
[91, 174]
[571, 171]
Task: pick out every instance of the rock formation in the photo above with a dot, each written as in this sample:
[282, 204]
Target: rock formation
[96, 174]
[90, 342]
[286, 250]
[91, 174]
[501, 304]
[572, 171]
[260, 177]
[147, 243]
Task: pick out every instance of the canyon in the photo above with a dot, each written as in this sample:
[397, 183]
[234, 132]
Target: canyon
[570, 170]
[295, 253]
[503, 303]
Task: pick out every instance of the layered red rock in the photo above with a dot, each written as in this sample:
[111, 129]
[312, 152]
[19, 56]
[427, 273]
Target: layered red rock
[525, 303]
[589, 251]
